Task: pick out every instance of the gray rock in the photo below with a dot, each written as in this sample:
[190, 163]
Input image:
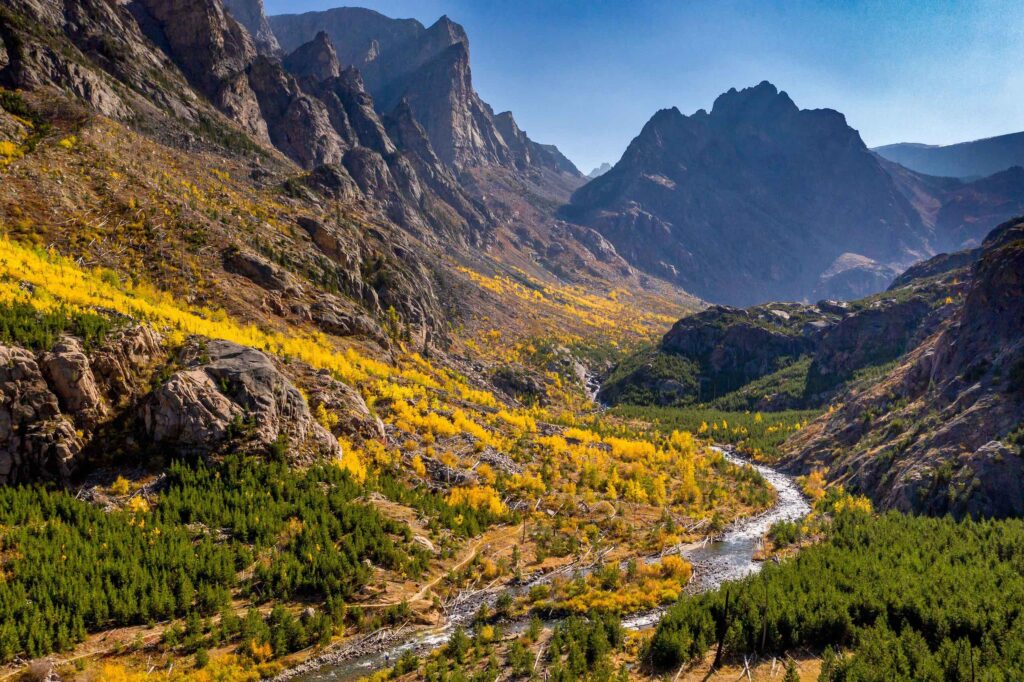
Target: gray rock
[199, 407]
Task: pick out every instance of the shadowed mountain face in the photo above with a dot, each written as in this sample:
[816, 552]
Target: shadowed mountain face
[757, 200]
[965, 160]
[428, 68]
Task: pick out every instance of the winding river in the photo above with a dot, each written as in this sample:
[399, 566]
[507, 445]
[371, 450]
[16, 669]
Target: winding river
[730, 557]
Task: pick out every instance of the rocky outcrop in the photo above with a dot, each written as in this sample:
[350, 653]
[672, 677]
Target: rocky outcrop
[315, 61]
[752, 201]
[69, 375]
[872, 336]
[260, 270]
[344, 402]
[226, 391]
[297, 124]
[213, 51]
[53, 403]
[36, 439]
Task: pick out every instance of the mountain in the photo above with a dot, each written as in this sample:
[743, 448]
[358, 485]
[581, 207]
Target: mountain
[757, 200]
[965, 160]
[429, 69]
[599, 171]
[969, 211]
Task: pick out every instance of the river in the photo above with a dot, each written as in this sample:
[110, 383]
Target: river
[731, 557]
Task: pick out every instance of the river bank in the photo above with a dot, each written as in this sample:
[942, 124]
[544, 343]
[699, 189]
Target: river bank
[728, 557]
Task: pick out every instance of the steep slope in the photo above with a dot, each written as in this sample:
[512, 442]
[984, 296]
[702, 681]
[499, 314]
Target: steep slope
[965, 160]
[786, 355]
[942, 431]
[756, 200]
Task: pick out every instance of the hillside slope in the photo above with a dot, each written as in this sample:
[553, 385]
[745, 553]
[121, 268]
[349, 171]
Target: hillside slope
[942, 431]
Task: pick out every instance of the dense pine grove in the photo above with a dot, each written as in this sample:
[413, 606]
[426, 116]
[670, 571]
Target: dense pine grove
[69, 567]
[25, 325]
[907, 598]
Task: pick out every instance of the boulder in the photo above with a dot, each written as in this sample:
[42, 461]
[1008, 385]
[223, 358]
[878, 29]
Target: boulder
[259, 270]
[224, 390]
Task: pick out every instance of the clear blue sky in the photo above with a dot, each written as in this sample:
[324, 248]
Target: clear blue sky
[587, 75]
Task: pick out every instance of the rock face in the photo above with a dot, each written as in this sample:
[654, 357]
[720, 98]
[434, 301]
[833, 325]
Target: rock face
[753, 201]
[941, 432]
[250, 14]
[36, 439]
[225, 390]
[297, 124]
[61, 407]
[52, 403]
[428, 68]
[213, 51]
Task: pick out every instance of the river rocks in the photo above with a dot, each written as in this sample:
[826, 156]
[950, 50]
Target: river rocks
[225, 390]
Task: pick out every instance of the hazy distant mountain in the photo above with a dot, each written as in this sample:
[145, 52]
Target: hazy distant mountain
[964, 160]
[757, 200]
[600, 170]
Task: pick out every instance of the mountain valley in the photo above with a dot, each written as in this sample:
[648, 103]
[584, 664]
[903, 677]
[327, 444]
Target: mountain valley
[315, 367]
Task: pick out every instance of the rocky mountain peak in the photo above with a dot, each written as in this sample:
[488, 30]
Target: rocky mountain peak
[316, 60]
[755, 170]
[429, 67]
[444, 31]
[763, 102]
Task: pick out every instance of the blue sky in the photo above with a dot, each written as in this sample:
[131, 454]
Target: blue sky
[586, 76]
